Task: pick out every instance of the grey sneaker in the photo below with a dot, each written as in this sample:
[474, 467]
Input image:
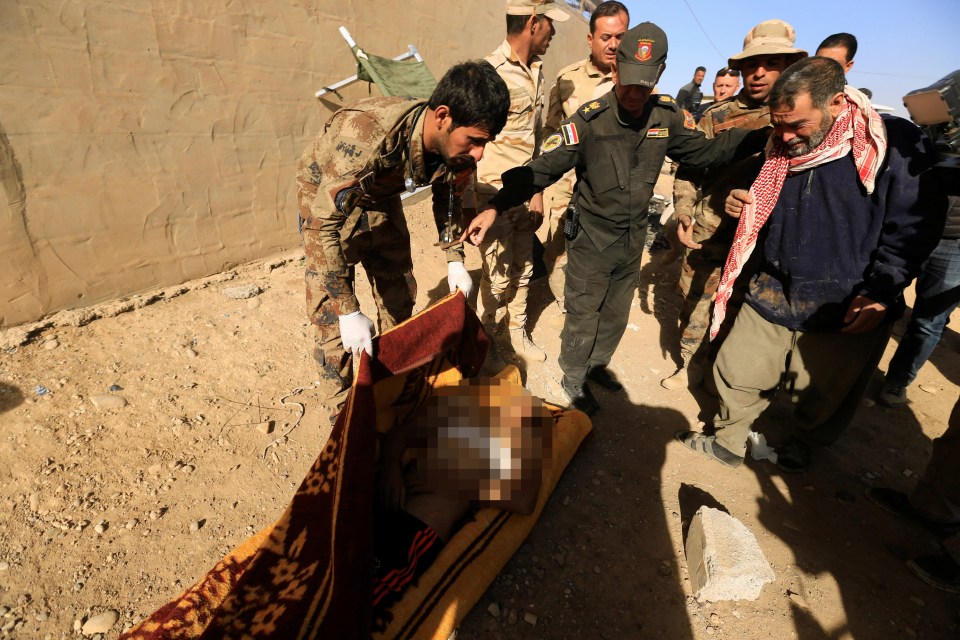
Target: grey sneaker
[893, 395]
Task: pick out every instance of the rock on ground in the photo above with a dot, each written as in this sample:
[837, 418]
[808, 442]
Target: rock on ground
[723, 557]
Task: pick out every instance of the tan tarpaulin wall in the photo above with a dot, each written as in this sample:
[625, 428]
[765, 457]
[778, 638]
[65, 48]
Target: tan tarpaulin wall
[146, 143]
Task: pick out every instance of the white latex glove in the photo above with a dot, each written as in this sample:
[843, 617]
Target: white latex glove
[356, 333]
[459, 278]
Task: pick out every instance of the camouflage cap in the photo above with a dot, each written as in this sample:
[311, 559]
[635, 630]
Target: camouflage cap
[642, 55]
[547, 8]
[767, 38]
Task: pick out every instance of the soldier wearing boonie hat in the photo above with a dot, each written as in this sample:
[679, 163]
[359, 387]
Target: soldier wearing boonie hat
[770, 37]
[698, 196]
[617, 143]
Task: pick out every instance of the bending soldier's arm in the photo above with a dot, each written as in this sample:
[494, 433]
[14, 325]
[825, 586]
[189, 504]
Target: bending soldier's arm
[441, 209]
[334, 166]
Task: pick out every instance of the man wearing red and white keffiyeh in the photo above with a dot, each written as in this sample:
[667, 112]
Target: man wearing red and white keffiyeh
[843, 225]
[857, 128]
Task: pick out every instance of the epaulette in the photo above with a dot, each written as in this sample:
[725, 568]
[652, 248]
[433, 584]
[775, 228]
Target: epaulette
[592, 108]
[570, 68]
[667, 101]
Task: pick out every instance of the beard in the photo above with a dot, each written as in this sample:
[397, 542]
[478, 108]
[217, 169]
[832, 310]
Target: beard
[456, 163]
[802, 146]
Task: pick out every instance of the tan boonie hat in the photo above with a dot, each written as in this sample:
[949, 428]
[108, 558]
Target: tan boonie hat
[642, 55]
[547, 8]
[767, 38]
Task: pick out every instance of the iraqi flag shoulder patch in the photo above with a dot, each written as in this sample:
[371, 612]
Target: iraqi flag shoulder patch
[570, 135]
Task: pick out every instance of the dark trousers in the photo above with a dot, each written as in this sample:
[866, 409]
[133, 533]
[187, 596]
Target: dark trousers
[938, 293]
[599, 288]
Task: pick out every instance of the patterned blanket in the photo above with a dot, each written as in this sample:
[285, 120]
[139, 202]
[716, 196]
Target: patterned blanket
[310, 574]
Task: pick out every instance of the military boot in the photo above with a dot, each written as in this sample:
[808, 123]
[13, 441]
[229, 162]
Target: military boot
[524, 347]
[688, 376]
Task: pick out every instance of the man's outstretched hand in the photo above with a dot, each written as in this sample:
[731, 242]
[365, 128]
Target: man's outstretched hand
[478, 227]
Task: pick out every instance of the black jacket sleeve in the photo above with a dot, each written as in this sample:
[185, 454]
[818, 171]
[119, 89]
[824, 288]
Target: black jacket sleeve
[690, 147]
[520, 183]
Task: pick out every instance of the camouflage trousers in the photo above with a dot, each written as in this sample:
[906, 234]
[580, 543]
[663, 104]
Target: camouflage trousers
[381, 243]
[699, 278]
[506, 254]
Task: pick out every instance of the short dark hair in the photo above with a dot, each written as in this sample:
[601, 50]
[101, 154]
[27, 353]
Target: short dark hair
[607, 9]
[475, 94]
[821, 77]
[846, 40]
[727, 71]
[516, 24]
[704, 69]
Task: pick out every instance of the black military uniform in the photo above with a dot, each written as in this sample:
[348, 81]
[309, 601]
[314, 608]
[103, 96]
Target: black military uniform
[617, 157]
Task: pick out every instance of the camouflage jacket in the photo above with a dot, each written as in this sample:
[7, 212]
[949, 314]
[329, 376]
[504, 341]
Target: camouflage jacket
[701, 194]
[375, 144]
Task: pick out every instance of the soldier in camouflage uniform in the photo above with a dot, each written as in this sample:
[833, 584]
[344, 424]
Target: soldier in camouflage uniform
[616, 144]
[578, 84]
[699, 196]
[349, 185]
[507, 253]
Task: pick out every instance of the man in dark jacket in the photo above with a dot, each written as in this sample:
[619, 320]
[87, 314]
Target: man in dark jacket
[617, 144]
[849, 228]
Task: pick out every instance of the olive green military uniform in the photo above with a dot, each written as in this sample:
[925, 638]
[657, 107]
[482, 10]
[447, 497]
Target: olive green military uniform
[376, 146]
[576, 84]
[701, 195]
[617, 159]
[507, 250]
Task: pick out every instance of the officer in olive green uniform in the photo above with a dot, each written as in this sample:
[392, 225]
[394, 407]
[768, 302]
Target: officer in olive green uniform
[577, 84]
[617, 145]
[699, 195]
[349, 185]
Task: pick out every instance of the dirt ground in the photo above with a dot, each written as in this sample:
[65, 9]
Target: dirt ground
[122, 508]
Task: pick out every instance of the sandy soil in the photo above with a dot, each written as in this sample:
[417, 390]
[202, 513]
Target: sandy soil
[123, 508]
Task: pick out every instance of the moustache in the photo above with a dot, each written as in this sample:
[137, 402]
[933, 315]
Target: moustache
[461, 162]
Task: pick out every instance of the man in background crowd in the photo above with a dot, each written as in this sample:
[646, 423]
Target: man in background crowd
[841, 47]
[689, 96]
[725, 84]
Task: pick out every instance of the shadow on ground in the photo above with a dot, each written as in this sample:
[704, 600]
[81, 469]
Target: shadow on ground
[600, 563]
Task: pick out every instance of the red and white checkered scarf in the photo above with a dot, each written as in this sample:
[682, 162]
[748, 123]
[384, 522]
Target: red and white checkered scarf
[857, 128]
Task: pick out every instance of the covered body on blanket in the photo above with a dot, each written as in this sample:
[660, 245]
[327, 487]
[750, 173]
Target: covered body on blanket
[310, 574]
[479, 443]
